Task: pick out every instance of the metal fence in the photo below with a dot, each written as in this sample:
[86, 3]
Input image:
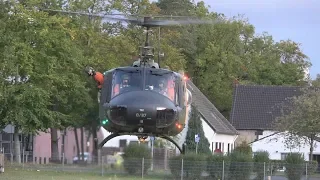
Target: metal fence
[175, 169]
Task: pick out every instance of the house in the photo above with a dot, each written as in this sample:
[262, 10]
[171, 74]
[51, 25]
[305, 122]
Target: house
[217, 129]
[38, 148]
[254, 109]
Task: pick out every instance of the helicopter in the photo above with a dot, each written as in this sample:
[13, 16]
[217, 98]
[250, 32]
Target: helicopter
[143, 99]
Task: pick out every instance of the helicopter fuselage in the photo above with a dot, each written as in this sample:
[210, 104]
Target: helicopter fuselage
[146, 101]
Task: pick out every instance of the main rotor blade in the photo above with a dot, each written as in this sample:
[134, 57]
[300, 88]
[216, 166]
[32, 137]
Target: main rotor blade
[144, 20]
[106, 16]
[180, 22]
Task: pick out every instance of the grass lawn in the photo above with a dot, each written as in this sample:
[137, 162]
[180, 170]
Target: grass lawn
[18, 174]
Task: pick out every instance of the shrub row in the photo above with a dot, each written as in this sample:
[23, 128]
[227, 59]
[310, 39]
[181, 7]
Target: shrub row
[238, 165]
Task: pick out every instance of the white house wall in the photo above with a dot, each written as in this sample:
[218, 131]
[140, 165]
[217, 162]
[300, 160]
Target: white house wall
[115, 141]
[275, 146]
[216, 140]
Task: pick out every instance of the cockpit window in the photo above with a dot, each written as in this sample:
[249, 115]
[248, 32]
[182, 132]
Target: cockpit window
[162, 82]
[126, 81]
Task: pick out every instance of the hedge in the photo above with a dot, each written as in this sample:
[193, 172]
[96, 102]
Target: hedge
[193, 165]
[261, 162]
[133, 156]
[218, 165]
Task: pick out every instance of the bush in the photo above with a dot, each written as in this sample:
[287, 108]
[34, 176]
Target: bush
[193, 165]
[312, 167]
[175, 165]
[215, 166]
[295, 166]
[244, 148]
[133, 156]
[261, 161]
[240, 166]
[275, 165]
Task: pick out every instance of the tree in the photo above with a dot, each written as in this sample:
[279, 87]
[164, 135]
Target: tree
[195, 127]
[300, 120]
[39, 47]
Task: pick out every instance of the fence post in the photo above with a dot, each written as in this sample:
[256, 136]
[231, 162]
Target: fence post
[264, 170]
[99, 157]
[22, 159]
[142, 168]
[222, 170]
[270, 171]
[102, 165]
[152, 150]
[63, 161]
[306, 170]
[181, 169]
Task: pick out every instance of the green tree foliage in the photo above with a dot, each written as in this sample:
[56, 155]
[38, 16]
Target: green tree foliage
[227, 52]
[295, 166]
[261, 160]
[195, 127]
[193, 165]
[218, 166]
[134, 156]
[240, 166]
[241, 162]
[40, 47]
[243, 148]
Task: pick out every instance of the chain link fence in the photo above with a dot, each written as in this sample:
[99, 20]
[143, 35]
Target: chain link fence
[169, 169]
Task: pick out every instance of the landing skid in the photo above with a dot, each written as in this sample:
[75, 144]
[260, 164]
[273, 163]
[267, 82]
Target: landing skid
[113, 135]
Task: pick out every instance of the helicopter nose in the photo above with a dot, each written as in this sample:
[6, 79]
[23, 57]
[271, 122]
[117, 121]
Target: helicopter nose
[143, 107]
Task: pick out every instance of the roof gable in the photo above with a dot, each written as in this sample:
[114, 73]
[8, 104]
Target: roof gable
[209, 112]
[255, 107]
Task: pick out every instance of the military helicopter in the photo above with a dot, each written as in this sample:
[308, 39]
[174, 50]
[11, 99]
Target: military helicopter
[144, 99]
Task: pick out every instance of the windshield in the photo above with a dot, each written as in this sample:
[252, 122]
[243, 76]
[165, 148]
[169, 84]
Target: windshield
[126, 81]
[162, 82]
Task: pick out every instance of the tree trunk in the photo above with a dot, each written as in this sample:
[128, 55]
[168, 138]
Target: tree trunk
[311, 149]
[82, 145]
[54, 145]
[54, 138]
[63, 143]
[87, 141]
[77, 142]
[95, 139]
[17, 151]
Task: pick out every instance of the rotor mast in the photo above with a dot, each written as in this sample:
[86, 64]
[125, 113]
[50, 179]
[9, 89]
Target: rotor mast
[146, 58]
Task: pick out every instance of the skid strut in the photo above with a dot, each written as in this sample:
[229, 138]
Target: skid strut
[113, 135]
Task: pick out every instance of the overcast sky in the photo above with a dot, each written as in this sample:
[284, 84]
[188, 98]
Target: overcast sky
[298, 20]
